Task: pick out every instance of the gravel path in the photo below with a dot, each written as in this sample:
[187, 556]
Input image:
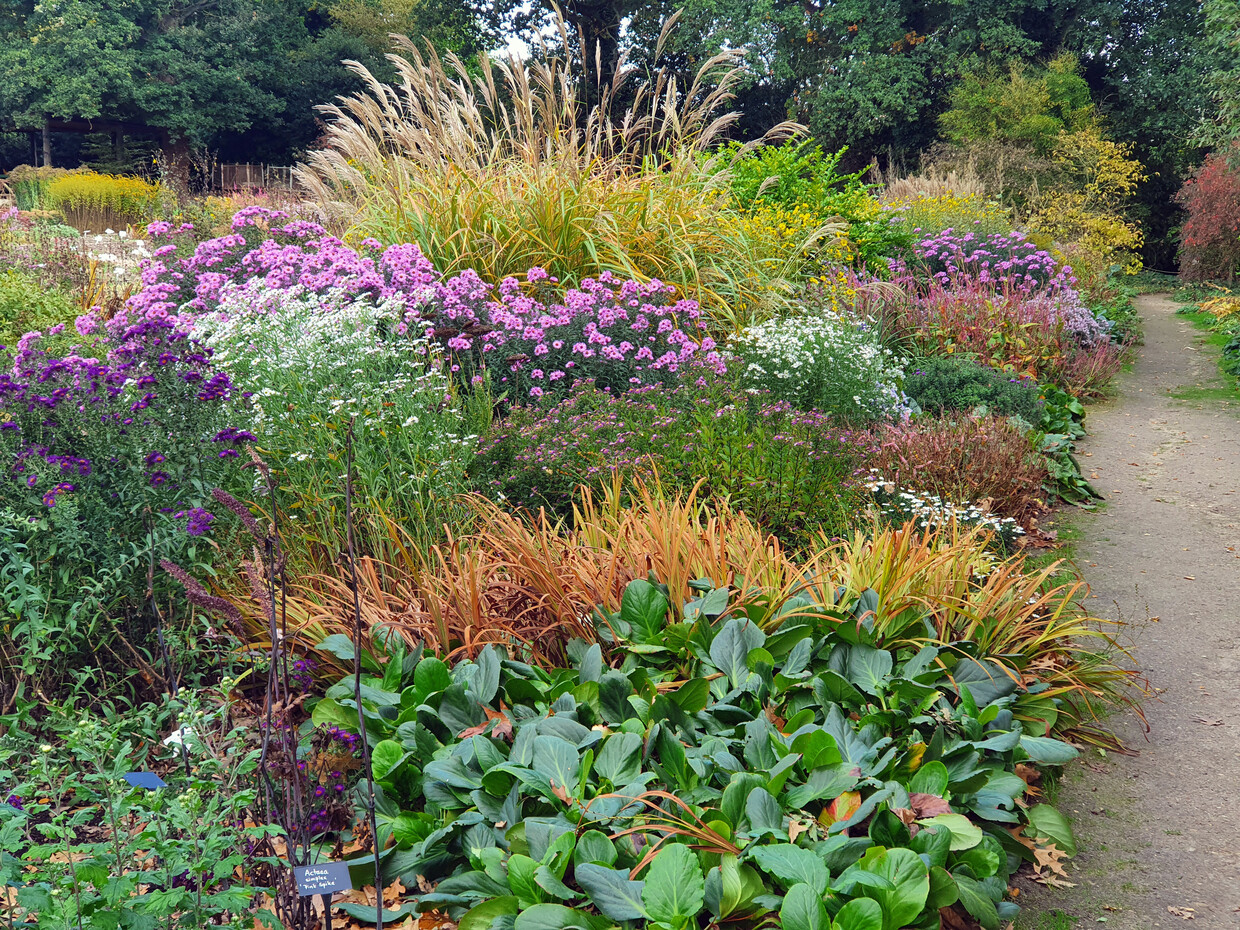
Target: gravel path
[1159, 832]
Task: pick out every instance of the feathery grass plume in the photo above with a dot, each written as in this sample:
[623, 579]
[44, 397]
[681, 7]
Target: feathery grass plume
[512, 167]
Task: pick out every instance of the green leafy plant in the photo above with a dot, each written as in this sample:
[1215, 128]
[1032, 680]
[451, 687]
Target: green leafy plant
[958, 384]
[81, 847]
[710, 761]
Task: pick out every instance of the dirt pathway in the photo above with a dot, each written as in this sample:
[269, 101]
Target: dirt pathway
[1159, 833]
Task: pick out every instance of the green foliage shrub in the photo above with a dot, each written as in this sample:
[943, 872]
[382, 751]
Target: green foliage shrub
[25, 304]
[798, 174]
[960, 384]
[790, 471]
[30, 186]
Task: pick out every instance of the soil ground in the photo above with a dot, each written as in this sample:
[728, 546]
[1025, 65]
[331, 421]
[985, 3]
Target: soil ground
[1158, 832]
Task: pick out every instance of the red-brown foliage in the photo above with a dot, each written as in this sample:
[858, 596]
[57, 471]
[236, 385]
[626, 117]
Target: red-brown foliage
[1210, 237]
[985, 460]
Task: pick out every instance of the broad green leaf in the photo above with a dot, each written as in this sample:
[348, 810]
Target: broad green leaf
[365, 913]
[791, 864]
[521, 871]
[612, 891]
[329, 712]
[644, 608]
[831, 687]
[594, 846]
[910, 884]
[933, 843]
[386, 757]
[729, 650]
[931, 778]
[692, 695]
[591, 667]
[803, 910]
[1047, 751]
[731, 887]
[859, 914]
[965, 833]
[486, 682]
[869, 668]
[977, 902]
[614, 691]
[1045, 822]
[559, 917]
[674, 890]
[764, 813]
[943, 890]
[620, 759]
[481, 916]
[549, 882]
[339, 645]
[430, 677]
[558, 760]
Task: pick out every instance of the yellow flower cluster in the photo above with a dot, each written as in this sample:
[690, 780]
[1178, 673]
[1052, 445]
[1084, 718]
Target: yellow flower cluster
[783, 230]
[930, 215]
[835, 288]
[105, 198]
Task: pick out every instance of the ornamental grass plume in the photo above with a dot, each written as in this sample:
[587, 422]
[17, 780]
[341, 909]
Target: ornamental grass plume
[509, 165]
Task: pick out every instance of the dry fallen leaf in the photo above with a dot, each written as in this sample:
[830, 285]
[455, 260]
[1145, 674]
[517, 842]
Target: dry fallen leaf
[1208, 721]
[503, 726]
[928, 805]
[1184, 913]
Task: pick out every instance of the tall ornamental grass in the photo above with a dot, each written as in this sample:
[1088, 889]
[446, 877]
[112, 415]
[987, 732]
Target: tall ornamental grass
[510, 167]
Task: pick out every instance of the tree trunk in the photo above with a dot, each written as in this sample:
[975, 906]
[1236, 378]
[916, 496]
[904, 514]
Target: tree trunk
[47, 142]
[174, 166]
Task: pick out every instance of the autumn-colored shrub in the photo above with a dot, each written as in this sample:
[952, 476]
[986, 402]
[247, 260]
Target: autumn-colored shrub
[979, 459]
[1210, 236]
[1037, 334]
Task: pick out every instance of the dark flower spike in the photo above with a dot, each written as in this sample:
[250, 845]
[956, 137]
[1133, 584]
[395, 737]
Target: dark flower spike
[241, 510]
[197, 595]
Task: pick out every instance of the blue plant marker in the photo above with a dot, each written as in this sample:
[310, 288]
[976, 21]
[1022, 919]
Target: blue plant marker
[323, 878]
[148, 780]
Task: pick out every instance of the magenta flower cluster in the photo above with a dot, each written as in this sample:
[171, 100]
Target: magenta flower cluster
[1008, 267]
[534, 337]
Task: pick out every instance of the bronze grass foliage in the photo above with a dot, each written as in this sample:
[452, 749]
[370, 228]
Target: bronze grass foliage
[534, 583]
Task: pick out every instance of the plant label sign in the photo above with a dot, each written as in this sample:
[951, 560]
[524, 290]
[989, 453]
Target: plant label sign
[323, 878]
[148, 780]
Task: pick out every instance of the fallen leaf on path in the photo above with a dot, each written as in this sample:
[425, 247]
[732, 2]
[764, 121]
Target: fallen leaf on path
[1208, 721]
[1184, 913]
[1189, 578]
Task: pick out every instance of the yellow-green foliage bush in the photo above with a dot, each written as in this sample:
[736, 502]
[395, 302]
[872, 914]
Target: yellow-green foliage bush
[930, 215]
[26, 304]
[1082, 215]
[29, 185]
[96, 201]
